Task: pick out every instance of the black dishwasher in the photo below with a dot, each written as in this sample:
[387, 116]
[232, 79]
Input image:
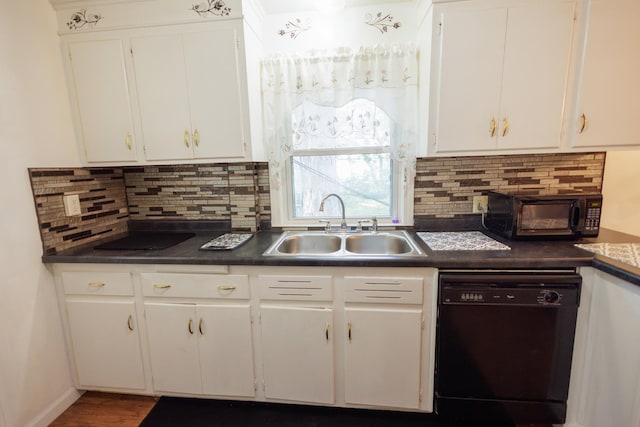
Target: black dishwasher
[504, 345]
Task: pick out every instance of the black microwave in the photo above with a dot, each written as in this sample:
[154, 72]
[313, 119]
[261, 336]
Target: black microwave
[520, 216]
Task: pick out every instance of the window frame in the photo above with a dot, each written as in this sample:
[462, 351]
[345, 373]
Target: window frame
[402, 194]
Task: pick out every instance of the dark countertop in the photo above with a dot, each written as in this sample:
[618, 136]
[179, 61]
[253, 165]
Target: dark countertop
[523, 255]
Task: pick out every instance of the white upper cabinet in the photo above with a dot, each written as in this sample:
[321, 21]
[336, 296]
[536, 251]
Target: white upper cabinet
[499, 75]
[190, 95]
[158, 81]
[102, 104]
[609, 95]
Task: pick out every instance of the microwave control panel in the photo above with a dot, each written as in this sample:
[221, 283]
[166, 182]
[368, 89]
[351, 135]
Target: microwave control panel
[592, 218]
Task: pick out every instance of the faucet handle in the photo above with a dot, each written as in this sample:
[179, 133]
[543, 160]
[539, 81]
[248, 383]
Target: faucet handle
[327, 225]
[374, 224]
[360, 222]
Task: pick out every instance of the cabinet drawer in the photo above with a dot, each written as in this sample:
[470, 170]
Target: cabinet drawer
[232, 286]
[301, 288]
[397, 290]
[97, 283]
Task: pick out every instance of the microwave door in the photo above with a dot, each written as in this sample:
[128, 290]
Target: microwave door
[546, 218]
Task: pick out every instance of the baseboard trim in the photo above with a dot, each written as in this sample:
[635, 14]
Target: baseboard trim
[57, 407]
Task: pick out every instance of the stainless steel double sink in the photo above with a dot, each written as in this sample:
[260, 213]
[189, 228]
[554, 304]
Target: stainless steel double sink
[320, 244]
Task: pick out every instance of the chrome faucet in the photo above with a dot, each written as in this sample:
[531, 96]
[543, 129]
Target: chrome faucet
[343, 224]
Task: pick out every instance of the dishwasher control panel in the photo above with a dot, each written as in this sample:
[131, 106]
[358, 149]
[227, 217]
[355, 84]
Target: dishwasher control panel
[513, 296]
[509, 290]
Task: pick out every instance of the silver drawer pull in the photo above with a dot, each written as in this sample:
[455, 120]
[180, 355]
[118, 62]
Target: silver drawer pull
[161, 286]
[96, 285]
[226, 288]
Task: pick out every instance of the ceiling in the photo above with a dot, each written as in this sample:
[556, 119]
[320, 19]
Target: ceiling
[284, 6]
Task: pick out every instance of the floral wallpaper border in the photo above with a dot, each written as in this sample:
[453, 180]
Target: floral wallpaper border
[380, 21]
[295, 27]
[214, 7]
[81, 18]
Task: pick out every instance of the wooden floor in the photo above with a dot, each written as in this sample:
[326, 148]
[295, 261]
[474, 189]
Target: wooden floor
[95, 409]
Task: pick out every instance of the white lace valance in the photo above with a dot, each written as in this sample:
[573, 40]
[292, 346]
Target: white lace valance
[367, 67]
[297, 87]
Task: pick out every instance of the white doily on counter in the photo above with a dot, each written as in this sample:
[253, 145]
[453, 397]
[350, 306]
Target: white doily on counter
[628, 253]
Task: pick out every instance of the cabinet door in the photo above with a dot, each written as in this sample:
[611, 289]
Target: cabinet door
[383, 357]
[297, 353]
[470, 70]
[536, 61]
[226, 349]
[106, 344]
[173, 345]
[102, 97]
[162, 96]
[610, 93]
[213, 79]
[612, 371]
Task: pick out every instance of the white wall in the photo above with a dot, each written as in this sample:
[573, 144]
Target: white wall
[35, 131]
[621, 192]
[337, 29]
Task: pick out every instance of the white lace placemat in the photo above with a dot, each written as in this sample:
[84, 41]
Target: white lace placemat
[461, 241]
[628, 253]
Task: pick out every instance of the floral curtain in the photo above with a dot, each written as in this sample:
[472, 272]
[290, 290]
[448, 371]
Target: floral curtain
[386, 75]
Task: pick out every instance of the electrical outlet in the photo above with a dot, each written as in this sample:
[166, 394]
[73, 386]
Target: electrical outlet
[71, 204]
[480, 204]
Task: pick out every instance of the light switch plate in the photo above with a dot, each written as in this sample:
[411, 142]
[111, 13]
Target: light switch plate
[71, 204]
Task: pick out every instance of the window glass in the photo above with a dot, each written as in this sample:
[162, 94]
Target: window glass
[363, 181]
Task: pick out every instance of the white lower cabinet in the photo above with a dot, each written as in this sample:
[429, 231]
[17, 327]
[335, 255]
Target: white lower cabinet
[297, 353]
[199, 332]
[383, 318]
[106, 343]
[605, 389]
[102, 329]
[201, 348]
[296, 330]
[382, 357]
[348, 337]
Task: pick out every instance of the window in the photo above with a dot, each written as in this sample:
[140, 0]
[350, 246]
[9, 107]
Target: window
[342, 150]
[342, 122]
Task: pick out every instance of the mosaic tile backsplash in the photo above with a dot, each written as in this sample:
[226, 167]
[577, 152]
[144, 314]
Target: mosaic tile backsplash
[102, 200]
[240, 193]
[236, 192]
[445, 186]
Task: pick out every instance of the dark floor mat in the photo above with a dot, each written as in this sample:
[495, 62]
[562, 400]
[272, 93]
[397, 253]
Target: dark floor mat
[183, 412]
